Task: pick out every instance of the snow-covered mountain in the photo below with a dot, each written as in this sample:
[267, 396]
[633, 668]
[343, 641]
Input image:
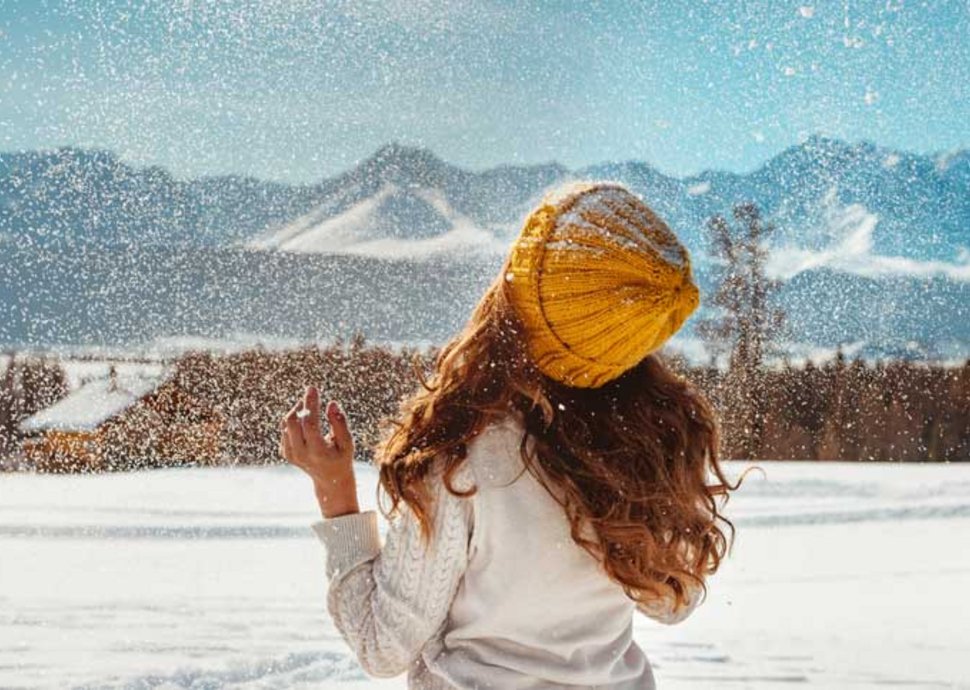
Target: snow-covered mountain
[874, 244]
[916, 207]
[404, 202]
[400, 222]
[856, 209]
[70, 197]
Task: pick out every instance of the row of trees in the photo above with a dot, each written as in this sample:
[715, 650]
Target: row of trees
[252, 390]
[842, 410]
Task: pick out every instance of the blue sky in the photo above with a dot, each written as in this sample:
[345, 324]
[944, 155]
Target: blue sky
[299, 90]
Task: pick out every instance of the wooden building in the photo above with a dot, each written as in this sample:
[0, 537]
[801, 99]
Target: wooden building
[126, 421]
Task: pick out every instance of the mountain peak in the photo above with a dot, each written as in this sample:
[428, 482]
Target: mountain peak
[397, 156]
[402, 165]
[819, 145]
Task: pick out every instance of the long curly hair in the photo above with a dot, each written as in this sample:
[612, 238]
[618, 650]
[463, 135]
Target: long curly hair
[629, 459]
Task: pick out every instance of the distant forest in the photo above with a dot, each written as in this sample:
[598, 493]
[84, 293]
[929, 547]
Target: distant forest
[842, 410]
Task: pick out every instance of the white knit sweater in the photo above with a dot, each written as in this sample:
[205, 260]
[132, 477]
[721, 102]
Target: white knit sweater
[502, 597]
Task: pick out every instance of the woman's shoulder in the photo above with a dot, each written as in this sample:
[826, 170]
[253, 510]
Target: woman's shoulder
[493, 455]
[497, 435]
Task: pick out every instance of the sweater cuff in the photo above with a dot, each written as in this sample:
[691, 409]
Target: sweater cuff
[349, 540]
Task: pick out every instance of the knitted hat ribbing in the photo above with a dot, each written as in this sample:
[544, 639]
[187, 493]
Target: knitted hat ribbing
[599, 282]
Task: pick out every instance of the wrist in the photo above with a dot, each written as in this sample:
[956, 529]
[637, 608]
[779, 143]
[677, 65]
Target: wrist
[336, 496]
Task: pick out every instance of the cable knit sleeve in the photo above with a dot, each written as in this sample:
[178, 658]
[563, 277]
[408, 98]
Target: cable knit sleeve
[388, 601]
[662, 610]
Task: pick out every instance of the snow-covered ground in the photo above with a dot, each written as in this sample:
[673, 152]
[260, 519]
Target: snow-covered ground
[842, 576]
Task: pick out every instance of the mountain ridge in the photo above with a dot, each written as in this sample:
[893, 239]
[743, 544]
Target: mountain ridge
[226, 209]
[873, 243]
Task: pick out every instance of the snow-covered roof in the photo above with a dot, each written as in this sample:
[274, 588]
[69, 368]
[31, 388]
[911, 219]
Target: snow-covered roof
[93, 403]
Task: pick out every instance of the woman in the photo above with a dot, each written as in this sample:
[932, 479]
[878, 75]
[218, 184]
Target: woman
[549, 481]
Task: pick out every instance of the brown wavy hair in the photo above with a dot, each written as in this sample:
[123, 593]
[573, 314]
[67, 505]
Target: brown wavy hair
[629, 459]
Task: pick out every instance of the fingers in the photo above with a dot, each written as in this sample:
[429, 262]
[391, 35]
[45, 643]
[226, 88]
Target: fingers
[302, 442]
[294, 432]
[311, 402]
[286, 448]
[342, 438]
[315, 441]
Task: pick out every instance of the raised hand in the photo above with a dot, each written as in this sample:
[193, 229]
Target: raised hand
[328, 460]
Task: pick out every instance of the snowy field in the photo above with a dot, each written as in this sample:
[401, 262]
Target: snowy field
[842, 576]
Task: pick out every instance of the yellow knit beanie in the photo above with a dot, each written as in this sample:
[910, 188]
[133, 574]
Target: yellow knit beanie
[598, 281]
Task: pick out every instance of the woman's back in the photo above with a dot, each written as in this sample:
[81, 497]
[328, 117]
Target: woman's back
[533, 609]
[490, 588]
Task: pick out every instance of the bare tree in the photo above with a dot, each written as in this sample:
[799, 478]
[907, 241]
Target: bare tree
[27, 385]
[746, 324]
